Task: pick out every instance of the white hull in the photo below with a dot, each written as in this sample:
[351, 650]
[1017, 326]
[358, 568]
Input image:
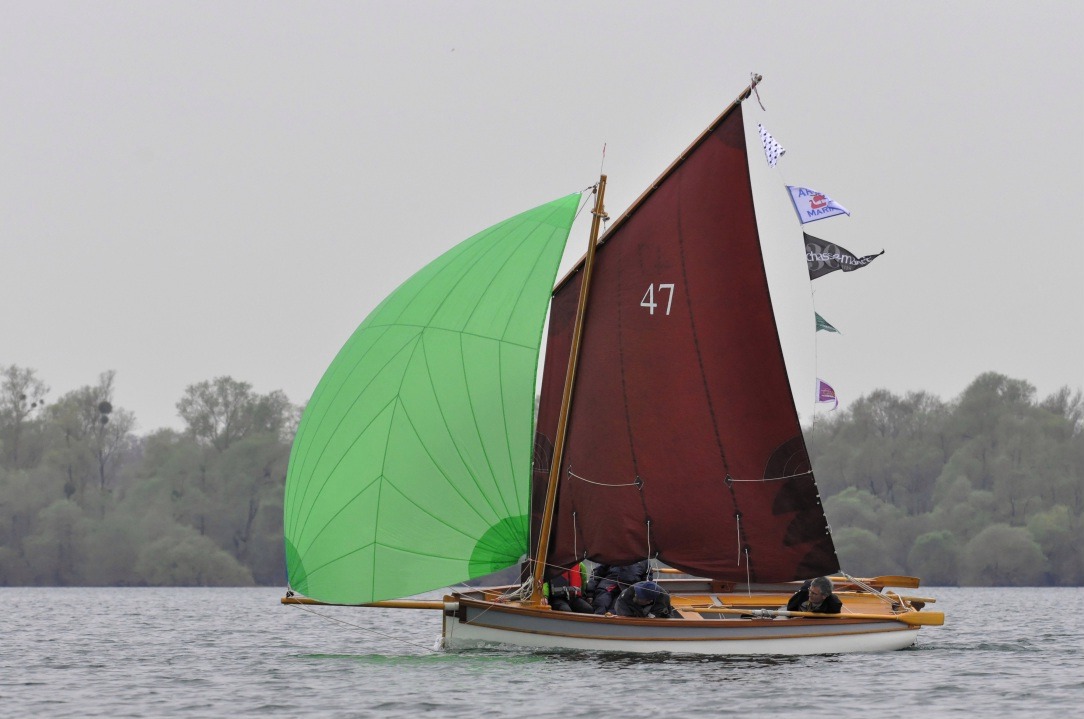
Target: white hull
[483, 624]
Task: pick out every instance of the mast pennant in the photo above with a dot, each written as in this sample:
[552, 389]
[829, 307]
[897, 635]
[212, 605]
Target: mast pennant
[823, 324]
[825, 393]
[813, 205]
[772, 149]
[825, 257]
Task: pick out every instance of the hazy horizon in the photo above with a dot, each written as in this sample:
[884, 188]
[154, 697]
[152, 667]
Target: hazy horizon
[195, 190]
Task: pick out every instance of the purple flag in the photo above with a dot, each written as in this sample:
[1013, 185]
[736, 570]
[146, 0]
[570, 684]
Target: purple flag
[825, 393]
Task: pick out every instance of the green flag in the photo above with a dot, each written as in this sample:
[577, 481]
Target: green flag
[823, 324]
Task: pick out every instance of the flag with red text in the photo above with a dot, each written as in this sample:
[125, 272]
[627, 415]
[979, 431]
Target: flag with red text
[812, 205]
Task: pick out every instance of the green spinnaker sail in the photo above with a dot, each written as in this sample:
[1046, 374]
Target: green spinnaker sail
[410, 470]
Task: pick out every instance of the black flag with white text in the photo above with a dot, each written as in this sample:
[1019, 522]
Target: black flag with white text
[824, 257]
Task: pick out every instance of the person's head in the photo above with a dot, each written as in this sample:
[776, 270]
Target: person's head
[646, 592]
[820, 589]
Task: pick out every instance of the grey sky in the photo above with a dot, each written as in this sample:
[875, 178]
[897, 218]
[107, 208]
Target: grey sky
[198, 189]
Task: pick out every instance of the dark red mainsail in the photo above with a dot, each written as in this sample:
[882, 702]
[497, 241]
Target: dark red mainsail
[683, 441]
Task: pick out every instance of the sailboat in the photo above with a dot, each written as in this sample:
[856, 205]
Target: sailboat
[666, 430]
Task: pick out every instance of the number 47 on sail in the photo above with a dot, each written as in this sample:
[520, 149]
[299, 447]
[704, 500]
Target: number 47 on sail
[649, 302]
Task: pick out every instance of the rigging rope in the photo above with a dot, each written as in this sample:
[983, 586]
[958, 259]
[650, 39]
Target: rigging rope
[812, 300]
[363, 629]
[754, 80]
[774, 479]
[865, 587]
[737, 517]
[600, 484]
[575, 533]
[649, 546]
[584, 202]
[730, 479]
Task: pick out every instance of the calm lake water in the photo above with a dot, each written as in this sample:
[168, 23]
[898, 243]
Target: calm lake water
[238, 652]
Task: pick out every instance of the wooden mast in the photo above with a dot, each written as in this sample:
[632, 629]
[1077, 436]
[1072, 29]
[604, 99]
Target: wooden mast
[598, 214]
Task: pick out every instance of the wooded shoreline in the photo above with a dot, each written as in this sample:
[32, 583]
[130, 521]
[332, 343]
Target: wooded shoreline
[984, 490]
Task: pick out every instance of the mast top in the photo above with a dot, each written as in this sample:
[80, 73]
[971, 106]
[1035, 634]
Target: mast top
[754, 80]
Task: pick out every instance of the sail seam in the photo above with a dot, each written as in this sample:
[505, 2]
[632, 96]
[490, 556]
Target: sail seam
[429, 454]
[774, 479]
[383, 481]
[479, 309]
[542, 254]
[700, 364]
[461, 332]
[303, 446]
[413, 340]
[470, 256]
[639, 484]
[478, 435]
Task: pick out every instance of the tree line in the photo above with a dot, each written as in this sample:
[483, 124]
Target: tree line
[84, 501]
[986, 489]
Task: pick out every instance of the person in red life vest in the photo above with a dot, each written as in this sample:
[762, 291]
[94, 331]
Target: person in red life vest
[566, 592]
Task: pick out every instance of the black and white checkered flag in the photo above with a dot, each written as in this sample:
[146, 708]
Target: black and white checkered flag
[772, 149]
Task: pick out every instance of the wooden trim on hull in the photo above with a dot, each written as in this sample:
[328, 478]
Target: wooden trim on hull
[478, 624]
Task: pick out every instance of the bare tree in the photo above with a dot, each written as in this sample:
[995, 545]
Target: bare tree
[94, 432]
[22, 397]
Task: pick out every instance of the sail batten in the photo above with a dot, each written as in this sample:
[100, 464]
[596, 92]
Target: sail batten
[433, 395]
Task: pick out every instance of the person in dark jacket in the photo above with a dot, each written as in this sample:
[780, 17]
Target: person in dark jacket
[607, 581]
[645, 599]
[815, 596]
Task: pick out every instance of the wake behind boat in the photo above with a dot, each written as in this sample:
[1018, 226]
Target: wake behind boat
[666, 432]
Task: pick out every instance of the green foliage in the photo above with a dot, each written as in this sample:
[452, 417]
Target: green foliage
[224, 410]
[185, 557]
[934, 556]
[986, 489]
[1002, 556]
[1060, 535]
[860, 509]
[863, 553]
[84, 501]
